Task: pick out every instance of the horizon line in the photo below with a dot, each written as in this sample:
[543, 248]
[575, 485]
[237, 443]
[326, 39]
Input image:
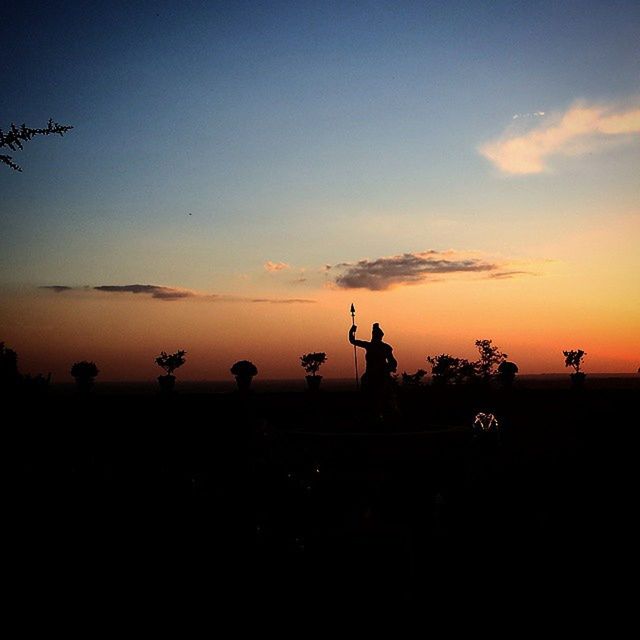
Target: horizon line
[231, 380]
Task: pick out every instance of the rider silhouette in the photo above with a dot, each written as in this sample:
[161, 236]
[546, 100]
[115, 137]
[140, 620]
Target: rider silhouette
[379, 359]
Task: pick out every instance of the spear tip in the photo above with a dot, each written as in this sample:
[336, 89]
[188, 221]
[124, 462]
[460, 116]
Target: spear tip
[353, 309]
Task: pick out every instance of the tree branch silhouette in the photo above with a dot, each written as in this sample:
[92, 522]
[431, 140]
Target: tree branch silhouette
[14, 138]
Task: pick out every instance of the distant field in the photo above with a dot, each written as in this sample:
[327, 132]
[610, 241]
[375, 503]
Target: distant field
[296, 484]
[546, 380]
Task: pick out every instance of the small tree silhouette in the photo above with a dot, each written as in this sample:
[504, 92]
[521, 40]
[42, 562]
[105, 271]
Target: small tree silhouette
[14, 138]
[84, 372]
[573, 358]
[311, 362]
[490, 358]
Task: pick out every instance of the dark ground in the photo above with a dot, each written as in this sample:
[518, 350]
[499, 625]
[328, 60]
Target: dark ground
[287, 497]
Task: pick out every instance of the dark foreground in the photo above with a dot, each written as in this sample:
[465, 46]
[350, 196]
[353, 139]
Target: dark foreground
[291, 498]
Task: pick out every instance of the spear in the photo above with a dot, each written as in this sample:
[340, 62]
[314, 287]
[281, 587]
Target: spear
[355, 353]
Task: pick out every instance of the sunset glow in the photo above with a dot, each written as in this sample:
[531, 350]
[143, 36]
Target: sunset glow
[239, 174]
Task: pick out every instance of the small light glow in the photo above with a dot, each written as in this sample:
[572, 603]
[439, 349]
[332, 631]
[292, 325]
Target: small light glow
[485, 422]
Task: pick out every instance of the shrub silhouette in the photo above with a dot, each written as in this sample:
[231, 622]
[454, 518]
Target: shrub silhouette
[11, 377]
[447, 369]
[8, 366]
[171, 361]
[311, 362]
[467, 372]
[35, 384]
[84, 369]
[244, 368]
[244, 371]
[413, 379]
[84, 372]
[17, 135]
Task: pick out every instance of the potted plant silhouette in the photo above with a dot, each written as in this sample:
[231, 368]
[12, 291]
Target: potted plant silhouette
[573, 358]
[84, 372]
[244, 371]
[169, 362]
[311, 363]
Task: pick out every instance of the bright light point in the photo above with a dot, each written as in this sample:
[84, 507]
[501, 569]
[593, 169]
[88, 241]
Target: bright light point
[485, 422]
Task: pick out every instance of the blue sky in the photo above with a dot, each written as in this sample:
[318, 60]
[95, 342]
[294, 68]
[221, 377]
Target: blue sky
[282, 117]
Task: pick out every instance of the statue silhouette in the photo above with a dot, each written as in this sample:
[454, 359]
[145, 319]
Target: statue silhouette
[380, 364]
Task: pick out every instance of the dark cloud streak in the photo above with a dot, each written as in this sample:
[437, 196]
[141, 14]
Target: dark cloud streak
[155, 291]
[505, 275]
[168, 294]
[58, 288]
[283, 300]
[405, 269]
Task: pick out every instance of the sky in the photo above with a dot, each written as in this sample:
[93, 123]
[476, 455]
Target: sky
[240, 172]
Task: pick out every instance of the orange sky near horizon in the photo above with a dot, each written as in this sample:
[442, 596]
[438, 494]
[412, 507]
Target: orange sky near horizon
[579, 302]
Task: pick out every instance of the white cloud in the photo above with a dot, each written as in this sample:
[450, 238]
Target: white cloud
[535, 114]
[580, 129]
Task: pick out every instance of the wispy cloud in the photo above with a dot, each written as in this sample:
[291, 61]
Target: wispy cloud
[580, 129]
[169, 294]
[505, 275]
[155, 291]
[58, 288]
[276, 266]
[283, 300]
[535, 114]
[406, 269]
